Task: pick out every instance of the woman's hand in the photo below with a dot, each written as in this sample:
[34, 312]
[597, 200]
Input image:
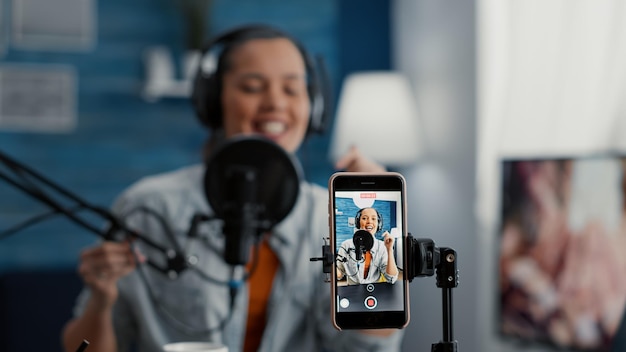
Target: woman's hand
[388, 240]
[101, 266]
[354, 160]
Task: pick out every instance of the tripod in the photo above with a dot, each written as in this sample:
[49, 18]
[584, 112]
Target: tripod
[424, 259]
[447, 278]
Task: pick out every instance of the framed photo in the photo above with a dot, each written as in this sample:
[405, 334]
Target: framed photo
[54, 24]
[561, 245]
[38, 98]
[3, 29]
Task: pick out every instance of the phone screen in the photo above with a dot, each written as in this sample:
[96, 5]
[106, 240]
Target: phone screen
[368, 230]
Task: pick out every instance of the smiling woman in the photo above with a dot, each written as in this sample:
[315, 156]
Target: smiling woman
[380, 263]
[120, 137]
[252, 81]
[264, 92]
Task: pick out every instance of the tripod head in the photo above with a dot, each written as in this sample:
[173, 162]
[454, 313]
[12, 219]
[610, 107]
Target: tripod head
[423, 258]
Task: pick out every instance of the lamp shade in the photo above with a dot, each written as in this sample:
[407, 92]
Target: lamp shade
[377, 113]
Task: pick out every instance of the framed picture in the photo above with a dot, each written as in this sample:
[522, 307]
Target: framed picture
[3, 29]
[561, 245]
[38, 98]
[54, 24]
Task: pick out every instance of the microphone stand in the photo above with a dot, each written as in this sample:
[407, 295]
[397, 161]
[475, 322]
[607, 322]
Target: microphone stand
[423, 259]
[447, 278]
[444, 260]
[25, 179]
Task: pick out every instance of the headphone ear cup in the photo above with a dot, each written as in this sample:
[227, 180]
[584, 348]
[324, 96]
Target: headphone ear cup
[357, 220]
[213, 103]
[319, 95]
[198, 97]
[205, 99]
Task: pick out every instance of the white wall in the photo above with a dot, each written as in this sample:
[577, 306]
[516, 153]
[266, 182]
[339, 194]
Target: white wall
[435, 45]
[480, 68]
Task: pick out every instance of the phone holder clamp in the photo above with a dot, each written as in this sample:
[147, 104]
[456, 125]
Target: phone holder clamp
[327, 259]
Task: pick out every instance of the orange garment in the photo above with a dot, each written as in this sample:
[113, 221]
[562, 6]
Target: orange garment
[368, 260]
[259, 289]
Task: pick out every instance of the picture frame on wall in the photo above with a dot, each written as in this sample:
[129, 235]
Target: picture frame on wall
[3, 29]
[561, 239]
[58, 25]
[38, 98]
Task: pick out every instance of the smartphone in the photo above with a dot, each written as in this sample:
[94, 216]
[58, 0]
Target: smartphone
[367, 218]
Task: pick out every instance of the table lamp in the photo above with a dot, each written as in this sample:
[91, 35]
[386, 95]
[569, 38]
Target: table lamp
[377, 113]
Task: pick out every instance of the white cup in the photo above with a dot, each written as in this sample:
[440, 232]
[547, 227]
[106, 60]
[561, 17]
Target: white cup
[195, 347]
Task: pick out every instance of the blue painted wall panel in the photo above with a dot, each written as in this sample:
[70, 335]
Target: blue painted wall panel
[120, 137]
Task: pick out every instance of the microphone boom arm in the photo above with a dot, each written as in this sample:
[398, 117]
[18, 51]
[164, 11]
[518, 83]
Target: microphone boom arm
[175, 259]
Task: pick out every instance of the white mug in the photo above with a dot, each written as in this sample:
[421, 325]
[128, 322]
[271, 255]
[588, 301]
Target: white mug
[195, 347]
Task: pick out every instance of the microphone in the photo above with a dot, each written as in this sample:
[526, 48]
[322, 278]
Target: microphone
[240, 214]
[252, 184]
[363, 241]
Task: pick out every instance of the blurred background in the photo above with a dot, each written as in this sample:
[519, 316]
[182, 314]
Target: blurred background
[93, 94]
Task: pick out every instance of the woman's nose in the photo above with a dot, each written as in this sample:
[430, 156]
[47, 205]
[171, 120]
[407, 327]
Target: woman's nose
[275, 98]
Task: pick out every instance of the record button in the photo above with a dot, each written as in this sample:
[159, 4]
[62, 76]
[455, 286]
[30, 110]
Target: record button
[370, 302]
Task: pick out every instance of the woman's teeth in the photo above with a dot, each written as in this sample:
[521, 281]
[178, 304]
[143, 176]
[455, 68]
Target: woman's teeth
[272, 127]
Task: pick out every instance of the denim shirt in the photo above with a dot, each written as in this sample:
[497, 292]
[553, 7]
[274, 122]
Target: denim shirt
[353, 269]
[154, 309]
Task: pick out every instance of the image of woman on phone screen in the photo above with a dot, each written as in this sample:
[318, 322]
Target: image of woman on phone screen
[365, 265]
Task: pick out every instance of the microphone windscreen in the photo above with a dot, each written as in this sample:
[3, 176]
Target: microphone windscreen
[363, 241]
[276, 173]
[251, 183]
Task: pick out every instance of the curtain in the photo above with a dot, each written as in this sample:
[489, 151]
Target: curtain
[551, 82]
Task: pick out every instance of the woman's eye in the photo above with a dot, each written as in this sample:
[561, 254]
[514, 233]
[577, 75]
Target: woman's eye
[251, 88]
[292, 91]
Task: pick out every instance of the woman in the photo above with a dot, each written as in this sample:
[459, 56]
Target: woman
[378, 263]
[256, 84]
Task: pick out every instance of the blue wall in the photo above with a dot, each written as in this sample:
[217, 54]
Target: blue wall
[120, 137]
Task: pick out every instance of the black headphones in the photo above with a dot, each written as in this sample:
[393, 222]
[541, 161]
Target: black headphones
[357, 219]
[207, 85]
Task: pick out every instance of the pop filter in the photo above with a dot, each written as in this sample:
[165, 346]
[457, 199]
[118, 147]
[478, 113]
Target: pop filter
[252, 184]
[363, 241]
